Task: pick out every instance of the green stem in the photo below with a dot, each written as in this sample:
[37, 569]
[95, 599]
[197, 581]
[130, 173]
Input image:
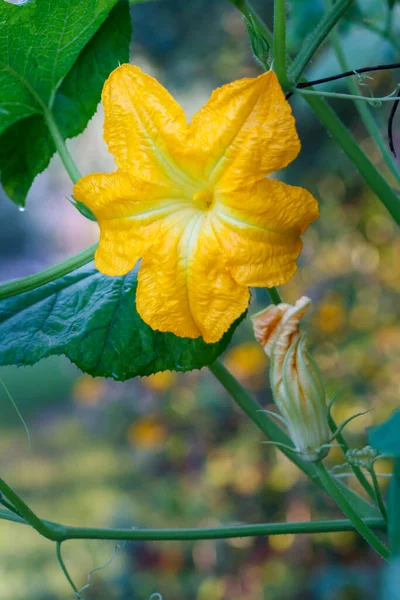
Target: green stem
[363, 110]
[367, 170]
[65, 533]
[61, 147]
[10, 507]
[263, 421]
[270, 428]
[356, 98]
[65, 570]
[356, 470]
[279, 43]
[274, 295]
[314, 41]
[378, 495]
[26, 284]
[26, 513]
[333, 490]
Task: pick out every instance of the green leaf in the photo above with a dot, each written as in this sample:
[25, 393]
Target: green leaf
[92, 319]
[393, 505]
[53, 56]
[390, 580]
[385, 437]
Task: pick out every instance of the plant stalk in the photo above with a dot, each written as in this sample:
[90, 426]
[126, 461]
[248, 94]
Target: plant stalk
[274, 295]
[351, 148]
[65, 533]
[378, 494]
[61, 147]
[272, 430]
[356, 470]
[314, 41]
[65, 570]
[279, 43]
[31, 282]
[333, 490]
[363, 110]
[25, 512]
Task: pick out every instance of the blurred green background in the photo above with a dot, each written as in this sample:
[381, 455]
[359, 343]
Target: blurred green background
[172, 450]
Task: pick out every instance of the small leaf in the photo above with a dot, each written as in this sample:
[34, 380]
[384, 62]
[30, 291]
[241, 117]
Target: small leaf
[259, 45]
[92, 319]
[385, 437]
[58, 60]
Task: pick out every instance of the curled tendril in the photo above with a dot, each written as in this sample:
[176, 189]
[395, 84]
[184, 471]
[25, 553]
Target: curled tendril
[117, 548]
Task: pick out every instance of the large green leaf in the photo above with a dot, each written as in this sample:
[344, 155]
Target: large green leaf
[92, 319]
[54, 55]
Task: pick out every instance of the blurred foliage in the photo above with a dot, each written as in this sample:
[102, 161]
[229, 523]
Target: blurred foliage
[171, 450]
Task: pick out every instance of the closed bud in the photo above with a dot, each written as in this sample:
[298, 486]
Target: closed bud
[296, 380]
[259, 45]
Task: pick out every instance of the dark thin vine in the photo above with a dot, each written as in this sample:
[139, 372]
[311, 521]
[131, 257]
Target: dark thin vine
[306, 84]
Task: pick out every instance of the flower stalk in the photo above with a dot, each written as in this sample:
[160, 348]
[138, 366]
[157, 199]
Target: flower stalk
[279, 43]
[332, 489]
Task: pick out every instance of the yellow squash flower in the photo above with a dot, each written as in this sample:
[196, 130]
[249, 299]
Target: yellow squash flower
[192, 201]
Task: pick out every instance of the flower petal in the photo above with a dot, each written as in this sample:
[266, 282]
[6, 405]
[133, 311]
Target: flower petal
[129, 211]
[116, 195]
[271, 205]
[144, 127]
[184, 286]
[259, 227]
[245, 131]
[279, 325]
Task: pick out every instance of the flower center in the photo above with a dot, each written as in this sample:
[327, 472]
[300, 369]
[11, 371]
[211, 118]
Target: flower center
[204, 199]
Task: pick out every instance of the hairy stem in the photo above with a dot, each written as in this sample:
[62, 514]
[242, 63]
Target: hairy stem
[333, 490]
[315, 40]
[279, 43]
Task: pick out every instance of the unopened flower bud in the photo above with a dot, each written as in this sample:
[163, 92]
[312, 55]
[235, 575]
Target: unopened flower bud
[296, 380]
